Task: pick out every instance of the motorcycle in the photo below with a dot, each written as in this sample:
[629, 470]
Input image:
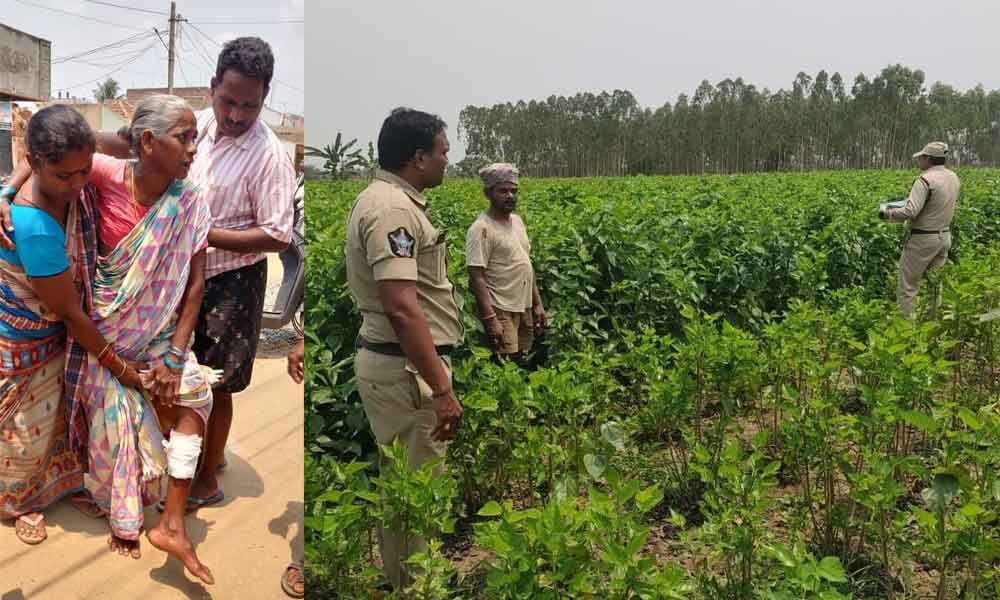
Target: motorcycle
[289, 303]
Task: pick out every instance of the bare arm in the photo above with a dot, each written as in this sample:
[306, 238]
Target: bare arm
[165, 379]
[59, 295]
[247, 241]
[480, 289]
[399, 298]
[113, 145]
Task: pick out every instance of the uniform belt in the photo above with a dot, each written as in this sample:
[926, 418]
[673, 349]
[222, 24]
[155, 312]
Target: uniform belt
[392, 349]
[928, 231]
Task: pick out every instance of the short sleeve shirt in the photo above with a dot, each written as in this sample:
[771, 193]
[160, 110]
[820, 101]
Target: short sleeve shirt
[40, 242]
[390, 237]
[247, 182]
[504, 251]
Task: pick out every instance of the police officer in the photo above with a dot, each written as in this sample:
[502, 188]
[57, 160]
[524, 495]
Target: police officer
[397, 275]
[929, 209]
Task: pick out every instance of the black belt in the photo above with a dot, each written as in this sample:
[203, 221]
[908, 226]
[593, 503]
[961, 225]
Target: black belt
[392, 349]
[928, 231]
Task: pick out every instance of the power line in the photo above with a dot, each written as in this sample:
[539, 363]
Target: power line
[142, 10]
[110, 73]
[288, 22]
[275, 79]
[65, 12]
[112, 46]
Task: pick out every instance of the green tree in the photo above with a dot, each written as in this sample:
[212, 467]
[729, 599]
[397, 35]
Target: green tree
[340, 159]
[108, 90]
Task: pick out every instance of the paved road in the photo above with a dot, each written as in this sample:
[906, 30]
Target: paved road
[247, 541]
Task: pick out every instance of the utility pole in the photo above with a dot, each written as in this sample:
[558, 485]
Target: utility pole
[170, 50]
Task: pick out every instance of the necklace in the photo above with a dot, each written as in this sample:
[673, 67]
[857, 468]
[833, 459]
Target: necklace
[133, 191]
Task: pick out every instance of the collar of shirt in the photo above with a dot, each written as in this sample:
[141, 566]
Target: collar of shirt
[212, 129]
[396, 180]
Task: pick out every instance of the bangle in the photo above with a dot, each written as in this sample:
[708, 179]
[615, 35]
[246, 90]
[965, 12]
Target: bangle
[8, 191]
[178, 352]
[171, 364]
[100, 356]
[124, 367]
[489, 317]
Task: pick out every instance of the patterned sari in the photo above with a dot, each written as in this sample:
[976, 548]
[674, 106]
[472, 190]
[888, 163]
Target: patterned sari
[37, 466]
[136, 292]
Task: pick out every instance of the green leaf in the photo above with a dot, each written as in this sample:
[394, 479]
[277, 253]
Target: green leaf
[648, 498]
[921, 421]
[613, 434]
[783, 555]
[595, 465]
[831, 569]
[970, 419]
[490, 509]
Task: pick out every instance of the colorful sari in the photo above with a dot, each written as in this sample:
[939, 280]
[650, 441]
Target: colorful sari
[37, 466]
[136, 291]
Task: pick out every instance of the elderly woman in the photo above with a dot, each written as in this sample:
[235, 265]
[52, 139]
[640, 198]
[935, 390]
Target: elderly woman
[145, 296]
[40, 285]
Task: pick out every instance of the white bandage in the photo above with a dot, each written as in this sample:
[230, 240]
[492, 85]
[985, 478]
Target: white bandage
[182, 454]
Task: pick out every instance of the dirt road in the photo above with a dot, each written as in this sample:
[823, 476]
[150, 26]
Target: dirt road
[246, 541]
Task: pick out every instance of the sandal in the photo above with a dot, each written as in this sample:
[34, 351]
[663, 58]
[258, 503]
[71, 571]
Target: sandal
[194, 504]
[292, 581]
[28, 532]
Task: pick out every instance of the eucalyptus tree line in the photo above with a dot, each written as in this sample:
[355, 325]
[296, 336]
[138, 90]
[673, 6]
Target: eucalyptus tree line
[821, 122]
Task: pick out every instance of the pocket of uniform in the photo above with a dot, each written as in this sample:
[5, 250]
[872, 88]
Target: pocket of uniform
[431, 264]
[425, 393]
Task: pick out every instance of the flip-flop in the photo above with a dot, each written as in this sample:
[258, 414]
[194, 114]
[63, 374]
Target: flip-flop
[30, 533]
[288, 586]
[194, 504]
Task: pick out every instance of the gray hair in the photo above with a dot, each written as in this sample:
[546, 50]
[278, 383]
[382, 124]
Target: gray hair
[158, 114]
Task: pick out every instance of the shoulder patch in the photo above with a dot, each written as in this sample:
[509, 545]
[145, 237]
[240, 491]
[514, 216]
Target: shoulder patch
[401, 243]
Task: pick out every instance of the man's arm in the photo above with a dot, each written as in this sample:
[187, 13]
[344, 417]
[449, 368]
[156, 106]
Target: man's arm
[273, 198]
[113, 144]
[491, 325]
[399, 299]
[246, 241]
[914, 203]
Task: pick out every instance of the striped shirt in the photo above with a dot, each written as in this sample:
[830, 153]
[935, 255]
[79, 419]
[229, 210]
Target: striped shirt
[248, 182]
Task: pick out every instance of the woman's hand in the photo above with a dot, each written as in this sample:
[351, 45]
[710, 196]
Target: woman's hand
[165, 382]
[130, 377]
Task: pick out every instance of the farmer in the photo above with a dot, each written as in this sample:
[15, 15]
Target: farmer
[929, 209]
[498, 255]
[398, 277]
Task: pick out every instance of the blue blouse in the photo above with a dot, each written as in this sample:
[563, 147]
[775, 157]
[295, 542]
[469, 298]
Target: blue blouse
[40, 243]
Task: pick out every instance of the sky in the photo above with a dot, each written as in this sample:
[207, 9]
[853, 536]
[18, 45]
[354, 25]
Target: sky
[365, 58]
[76, 26]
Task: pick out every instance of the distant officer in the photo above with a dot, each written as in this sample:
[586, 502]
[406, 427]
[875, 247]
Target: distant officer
[502, 278]
[398, 278]
[929, 209]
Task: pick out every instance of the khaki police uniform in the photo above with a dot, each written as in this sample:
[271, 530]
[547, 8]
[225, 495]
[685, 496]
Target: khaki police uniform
[389, 237]
[929, 209]
[503, 251]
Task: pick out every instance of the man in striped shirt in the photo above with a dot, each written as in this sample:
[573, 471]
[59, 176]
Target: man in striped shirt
[249, 183]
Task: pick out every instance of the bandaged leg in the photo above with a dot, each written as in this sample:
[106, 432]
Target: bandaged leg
[182, 454]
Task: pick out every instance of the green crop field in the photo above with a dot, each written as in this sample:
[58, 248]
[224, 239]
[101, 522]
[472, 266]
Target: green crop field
[726, 404]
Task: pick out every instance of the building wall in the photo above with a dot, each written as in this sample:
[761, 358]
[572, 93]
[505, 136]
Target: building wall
[111, 121]
[197, 97]
[25, 64]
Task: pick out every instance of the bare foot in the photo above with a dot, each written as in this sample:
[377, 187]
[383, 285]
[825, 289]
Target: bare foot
[125, 547]
[179, 546]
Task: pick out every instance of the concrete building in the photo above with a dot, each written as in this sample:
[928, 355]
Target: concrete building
[197, 97]
[25, 76]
